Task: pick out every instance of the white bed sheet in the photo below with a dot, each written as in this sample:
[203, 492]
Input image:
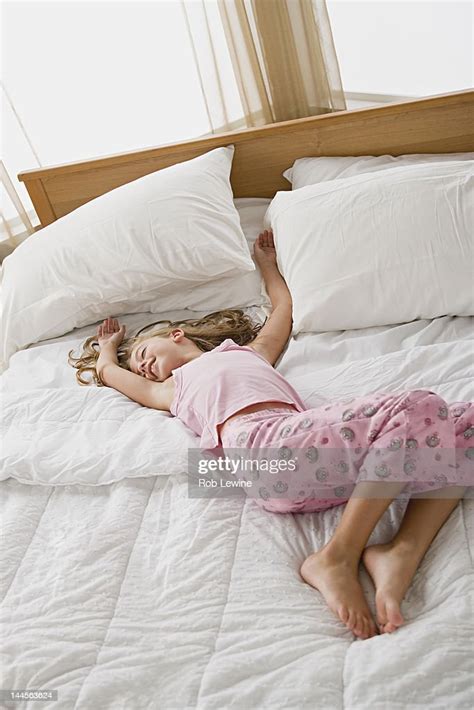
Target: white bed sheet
[132, 595]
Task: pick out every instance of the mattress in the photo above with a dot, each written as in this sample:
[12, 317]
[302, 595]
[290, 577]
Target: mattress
[131, 594]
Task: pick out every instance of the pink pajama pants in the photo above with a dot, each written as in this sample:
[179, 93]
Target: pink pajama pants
[413, 438]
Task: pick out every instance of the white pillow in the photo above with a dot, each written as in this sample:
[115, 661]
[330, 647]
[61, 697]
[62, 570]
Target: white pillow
[309, 171]
[379, 248]
[245, 289]
[143, 243]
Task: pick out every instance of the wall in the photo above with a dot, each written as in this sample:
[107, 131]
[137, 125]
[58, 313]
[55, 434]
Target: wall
[409, 47]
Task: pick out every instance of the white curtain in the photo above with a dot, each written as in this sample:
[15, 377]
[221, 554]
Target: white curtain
[15, 221]
[17, 216]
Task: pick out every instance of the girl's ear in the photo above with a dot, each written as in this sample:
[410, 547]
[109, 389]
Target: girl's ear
[177, 334]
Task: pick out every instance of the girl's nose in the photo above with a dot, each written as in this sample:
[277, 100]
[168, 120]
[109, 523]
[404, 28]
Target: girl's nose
[145, 366]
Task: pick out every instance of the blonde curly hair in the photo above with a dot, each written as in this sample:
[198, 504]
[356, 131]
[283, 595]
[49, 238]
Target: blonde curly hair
[207, 333]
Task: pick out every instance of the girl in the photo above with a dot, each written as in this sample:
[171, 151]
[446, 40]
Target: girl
[216, 374]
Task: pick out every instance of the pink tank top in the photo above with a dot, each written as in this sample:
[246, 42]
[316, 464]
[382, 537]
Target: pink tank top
[220, 382]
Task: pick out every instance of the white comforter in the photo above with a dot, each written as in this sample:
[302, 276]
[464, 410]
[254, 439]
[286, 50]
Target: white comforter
[132, 595]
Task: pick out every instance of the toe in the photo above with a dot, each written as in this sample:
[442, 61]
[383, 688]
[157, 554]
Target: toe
[368, 628]
[355, 623]
[373, 628]
[381, 612]
[351, 619]
[343, 613]
[362, 627]
[359, 625]
[367, 633]
[394, 617]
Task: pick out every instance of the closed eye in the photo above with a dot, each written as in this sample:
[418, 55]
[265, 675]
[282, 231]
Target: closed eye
[143, 355]
[139, 359]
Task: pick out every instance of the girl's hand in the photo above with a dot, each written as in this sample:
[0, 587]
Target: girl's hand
[264, 249]
[110, 332]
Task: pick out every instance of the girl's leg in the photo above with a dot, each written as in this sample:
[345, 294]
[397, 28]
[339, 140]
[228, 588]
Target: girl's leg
[384, 432]
[392, 566]
[333, 570]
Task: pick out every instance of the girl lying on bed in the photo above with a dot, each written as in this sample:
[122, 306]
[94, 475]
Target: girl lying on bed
[216, 374]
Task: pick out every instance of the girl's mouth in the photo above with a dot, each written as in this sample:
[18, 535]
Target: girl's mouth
[150, 371]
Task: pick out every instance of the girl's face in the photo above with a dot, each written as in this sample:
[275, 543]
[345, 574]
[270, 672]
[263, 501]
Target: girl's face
[156, 357]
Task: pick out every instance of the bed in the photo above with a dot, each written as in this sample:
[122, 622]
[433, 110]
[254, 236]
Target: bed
[136, 595]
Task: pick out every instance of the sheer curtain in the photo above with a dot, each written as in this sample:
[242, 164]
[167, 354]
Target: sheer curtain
[17, 216]
[282, 56]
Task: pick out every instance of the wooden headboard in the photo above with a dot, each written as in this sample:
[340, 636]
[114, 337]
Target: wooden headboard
[434, 124]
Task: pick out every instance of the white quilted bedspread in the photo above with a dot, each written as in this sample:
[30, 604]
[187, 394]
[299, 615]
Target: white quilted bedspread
[132, 595]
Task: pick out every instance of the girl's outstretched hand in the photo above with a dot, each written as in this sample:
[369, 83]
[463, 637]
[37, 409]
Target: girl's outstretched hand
[110, 332]
[264, 249]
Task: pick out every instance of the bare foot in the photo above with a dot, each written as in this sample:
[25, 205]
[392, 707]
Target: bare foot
[392, 567]
[336, 577]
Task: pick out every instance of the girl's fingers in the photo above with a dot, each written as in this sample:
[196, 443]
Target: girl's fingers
[263, 239]
[110, 325]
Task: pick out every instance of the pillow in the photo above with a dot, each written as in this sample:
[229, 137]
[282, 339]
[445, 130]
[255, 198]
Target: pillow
[377, 249]
[246, 289]
[309, 171]
[140, 244]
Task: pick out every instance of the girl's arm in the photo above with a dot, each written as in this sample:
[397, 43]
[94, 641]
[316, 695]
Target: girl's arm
[274, 335]
[146, 392]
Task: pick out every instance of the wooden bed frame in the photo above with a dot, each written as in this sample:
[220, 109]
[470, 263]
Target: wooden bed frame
[434, 124]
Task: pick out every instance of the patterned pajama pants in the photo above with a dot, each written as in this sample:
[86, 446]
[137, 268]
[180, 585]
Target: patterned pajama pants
[413, 438]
